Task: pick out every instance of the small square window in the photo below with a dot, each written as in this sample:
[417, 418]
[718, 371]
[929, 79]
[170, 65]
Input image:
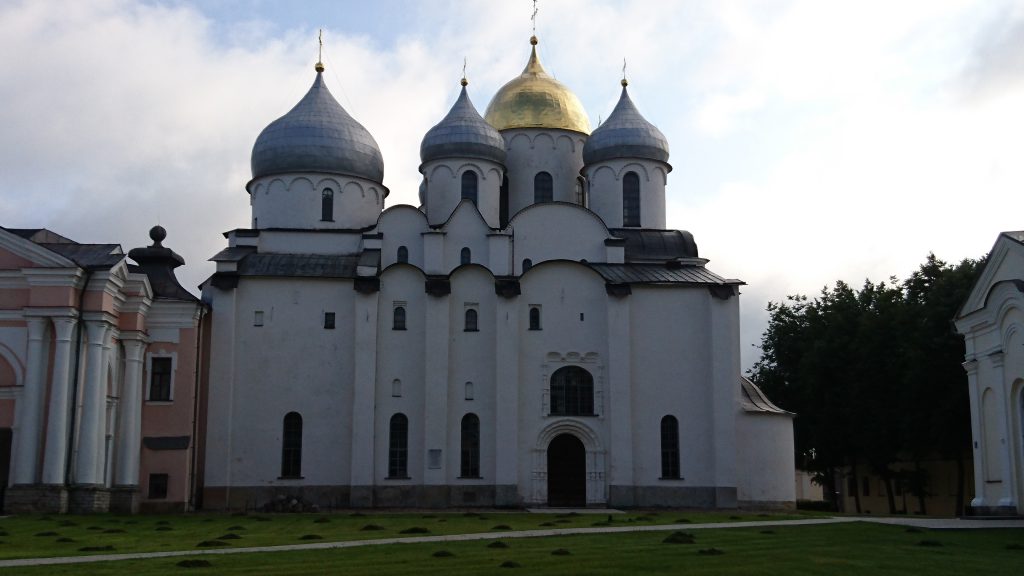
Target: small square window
[158, 486]
[257, 318]
[434, 458]
[328, 320]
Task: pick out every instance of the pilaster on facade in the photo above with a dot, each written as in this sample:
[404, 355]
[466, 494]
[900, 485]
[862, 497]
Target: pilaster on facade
[130, 429]
[620, 387]
[57, 425]
[974, 396]
[29, 416]
[90, 425]
[364, 386]
[436, 375]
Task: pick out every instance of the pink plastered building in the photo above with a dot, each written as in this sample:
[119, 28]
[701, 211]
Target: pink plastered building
[99, 357]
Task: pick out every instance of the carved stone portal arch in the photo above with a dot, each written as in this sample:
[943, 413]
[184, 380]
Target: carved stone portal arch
[595, 460]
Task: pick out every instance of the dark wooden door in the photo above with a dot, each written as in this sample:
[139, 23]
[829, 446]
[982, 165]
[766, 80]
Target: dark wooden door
[567, 472]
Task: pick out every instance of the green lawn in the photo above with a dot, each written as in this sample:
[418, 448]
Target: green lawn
[39, 536]
[851, 548]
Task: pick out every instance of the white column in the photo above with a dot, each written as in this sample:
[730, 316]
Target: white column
[1008, 488]
[364, 382]
[90, 449]
[435, 405]
[619, 383]
[60, 395]
[130, 430]
[506, 396]
[971, 367]
[30, 409]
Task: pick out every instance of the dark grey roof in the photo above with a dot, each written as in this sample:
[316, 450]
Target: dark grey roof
[1016, 235]
[752, 399]
[299, 265]
[233, 254]
[648, 245]
[625, 134]
[659, 274]
[40, 235]
[463, 133]
[96, 256]
[317, 135]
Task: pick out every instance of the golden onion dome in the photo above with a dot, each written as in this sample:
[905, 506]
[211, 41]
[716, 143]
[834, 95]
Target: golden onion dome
[536, 100]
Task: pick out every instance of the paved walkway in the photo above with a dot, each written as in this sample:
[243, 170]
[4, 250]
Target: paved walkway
[931, 523]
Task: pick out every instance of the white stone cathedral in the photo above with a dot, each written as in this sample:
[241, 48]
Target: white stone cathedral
[531, 334]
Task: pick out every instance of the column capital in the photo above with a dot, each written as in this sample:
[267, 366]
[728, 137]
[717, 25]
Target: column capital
[36, 326]
[134, 349]
[97, 330]
[63, 326]
[996, 358]
[970, 366]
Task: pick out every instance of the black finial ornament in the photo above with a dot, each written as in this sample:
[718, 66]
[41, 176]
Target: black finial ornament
[157, 235]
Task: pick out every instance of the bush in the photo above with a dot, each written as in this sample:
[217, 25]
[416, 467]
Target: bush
[415, 530]
[497, 544]
[443, 554]
[679, 538]
[194, 564]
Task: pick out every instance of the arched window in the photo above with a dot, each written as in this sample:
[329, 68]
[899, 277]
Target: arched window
[469, 185]
[669, 447]
[396, 388]
[630, 199]
[503, 202]
[399, 319]
[470, 467]
[471, 325]
[398, 447]
[527, 264]
[581, 191]
[327, 205]
[572, 392]
[403, 254]
[291, 446]
[534, 318]
[465, 257]
[543, 188]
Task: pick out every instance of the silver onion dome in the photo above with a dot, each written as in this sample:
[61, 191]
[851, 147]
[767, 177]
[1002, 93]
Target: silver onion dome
[317, 135]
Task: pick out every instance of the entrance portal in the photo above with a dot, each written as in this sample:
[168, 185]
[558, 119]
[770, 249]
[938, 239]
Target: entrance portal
[567, 472]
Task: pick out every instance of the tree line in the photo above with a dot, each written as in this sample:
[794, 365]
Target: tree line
[874, 376]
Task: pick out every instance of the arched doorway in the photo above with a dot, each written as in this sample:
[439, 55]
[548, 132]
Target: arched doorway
[567, 472]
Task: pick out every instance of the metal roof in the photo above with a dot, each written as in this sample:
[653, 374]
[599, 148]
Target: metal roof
[658, 274]
[317, 135]
[88, 255]
[463, 133]
[647, 245]
[233, 254]
[299, 265]
[752, 399]
[625, 134]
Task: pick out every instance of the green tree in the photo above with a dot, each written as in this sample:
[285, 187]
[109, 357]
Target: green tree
[873, 374]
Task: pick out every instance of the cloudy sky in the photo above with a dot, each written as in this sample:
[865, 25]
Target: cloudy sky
[811, 140]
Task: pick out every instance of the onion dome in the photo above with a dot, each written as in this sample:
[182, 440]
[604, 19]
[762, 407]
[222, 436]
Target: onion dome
[536, 100]
[625, 134]
[317, 135]
[463, 133]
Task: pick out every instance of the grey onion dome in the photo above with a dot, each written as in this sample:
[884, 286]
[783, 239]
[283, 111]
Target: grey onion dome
[317, 135]
[625, 134]
[463, 133]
